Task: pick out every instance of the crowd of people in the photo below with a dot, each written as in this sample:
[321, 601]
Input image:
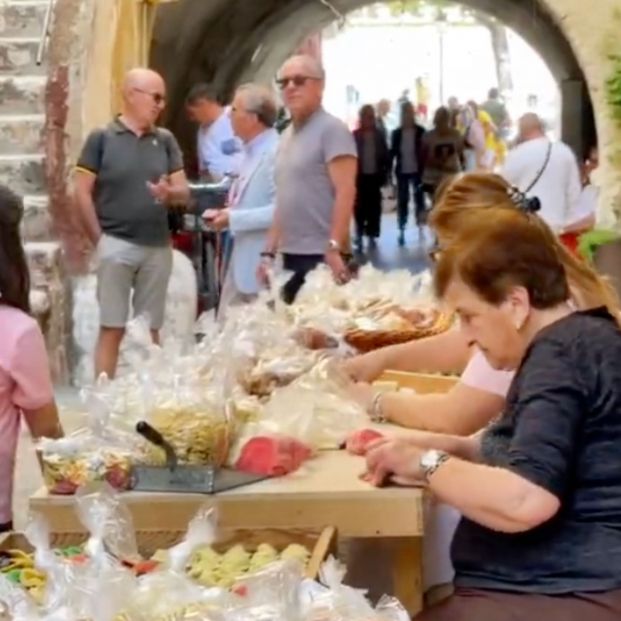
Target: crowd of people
[465, 138]
[521, 455]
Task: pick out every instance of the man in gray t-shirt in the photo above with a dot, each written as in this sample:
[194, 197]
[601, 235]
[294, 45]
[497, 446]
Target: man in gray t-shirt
[127, 175]
[315, 181]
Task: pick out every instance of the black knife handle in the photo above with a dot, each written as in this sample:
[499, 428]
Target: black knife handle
[155, 437]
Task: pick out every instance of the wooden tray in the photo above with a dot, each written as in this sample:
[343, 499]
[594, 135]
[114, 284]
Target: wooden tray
[422, 383]
[320, 544]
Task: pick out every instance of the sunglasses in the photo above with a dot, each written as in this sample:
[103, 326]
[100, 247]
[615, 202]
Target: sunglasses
[296, 80]
[158, 98]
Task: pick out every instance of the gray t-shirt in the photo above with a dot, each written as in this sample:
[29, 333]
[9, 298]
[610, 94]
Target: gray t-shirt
[123, 163]
[304, 191]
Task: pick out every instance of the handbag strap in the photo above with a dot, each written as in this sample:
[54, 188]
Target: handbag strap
[542, 170]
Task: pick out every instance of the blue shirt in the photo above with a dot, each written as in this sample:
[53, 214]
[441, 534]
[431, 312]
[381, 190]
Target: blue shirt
[219, 150]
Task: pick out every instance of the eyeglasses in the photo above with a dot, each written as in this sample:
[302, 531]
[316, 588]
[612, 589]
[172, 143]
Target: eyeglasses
[296, 80]
[158, 98]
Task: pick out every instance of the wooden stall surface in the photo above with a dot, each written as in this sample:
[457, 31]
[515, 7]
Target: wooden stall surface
[422, 383]
[326, 492]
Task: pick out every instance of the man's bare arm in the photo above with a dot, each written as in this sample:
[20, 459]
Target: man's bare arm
[342, 171]
[84, 184]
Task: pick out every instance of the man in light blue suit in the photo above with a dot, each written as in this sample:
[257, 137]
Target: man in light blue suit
[250, 209]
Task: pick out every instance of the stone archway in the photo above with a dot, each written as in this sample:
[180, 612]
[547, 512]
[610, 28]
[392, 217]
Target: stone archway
[224, 43]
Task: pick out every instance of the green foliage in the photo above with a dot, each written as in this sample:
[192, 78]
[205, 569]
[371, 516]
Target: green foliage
[613, 87]
[415, 7]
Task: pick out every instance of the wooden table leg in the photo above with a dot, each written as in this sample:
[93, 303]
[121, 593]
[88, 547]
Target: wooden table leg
[408, 573]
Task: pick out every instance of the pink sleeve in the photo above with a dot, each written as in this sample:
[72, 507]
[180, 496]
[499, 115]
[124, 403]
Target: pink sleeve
[480, 374]
[30, 371]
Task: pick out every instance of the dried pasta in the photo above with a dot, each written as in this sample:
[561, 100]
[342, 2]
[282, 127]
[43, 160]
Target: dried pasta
[197, 437]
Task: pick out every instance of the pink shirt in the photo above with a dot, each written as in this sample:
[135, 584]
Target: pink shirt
[25, 384]
[480, 374]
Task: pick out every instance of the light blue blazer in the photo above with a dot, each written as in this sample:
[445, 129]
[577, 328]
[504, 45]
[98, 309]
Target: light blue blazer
[252, 214]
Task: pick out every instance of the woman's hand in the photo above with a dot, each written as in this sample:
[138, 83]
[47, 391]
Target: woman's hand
[365, 368]
[396, 460]
[363, 394]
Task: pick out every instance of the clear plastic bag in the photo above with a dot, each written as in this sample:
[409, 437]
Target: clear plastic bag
[337, 602]
[324, 413]
[96, 453]
[170, 593]
[271, 594]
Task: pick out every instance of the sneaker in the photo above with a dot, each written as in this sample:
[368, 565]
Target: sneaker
[401, 238]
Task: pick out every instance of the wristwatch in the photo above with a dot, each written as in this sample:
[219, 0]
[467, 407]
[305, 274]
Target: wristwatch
[430, 461]
[334, 246]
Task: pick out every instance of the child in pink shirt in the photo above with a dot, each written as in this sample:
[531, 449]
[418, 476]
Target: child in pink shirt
[25, 384]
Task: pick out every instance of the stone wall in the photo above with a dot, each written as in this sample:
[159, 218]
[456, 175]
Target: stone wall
[593, 32]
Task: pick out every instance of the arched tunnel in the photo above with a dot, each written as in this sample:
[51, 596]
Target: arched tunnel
[226, 42]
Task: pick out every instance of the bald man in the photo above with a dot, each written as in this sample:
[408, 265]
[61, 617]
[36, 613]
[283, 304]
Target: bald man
[548, 170]
[127, 176]
[315, 181]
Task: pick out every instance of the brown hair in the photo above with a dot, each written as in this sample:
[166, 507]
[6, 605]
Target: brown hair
[496, 254]
[478, 197]
[14, 275]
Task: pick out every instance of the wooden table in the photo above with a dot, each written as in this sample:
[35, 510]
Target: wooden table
[326, 492]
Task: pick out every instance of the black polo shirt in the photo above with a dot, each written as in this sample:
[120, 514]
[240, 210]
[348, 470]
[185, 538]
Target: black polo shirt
[561, 430]
[124, 163]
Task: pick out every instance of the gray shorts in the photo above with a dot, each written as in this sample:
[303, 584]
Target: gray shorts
[125, 268]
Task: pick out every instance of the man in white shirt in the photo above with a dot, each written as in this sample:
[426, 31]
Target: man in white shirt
[219, 150]
[548, 170]
[250, 210]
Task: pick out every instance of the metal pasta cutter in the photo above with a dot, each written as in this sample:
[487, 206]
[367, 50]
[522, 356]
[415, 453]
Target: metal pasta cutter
[184, 479]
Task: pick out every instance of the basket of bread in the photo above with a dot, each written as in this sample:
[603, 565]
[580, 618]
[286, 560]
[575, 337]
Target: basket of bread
[382, 324]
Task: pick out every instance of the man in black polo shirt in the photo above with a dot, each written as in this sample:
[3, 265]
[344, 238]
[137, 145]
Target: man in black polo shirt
[127, 175]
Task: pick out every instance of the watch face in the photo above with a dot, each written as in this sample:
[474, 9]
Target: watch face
[429, 459]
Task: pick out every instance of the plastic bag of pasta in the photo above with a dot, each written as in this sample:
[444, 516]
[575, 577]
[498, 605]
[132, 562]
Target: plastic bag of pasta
[270, 594]
[94, 454]
[170, 593]
[199, 431]
[333, 600]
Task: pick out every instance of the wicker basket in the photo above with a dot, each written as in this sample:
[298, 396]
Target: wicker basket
[369, 340]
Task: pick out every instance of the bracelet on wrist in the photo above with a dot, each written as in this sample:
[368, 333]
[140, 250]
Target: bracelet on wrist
[376, 411]
[268, 255]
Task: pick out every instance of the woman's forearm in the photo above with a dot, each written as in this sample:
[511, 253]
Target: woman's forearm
[461, 411]
[466, 448]
[493, 497]
[444, 353]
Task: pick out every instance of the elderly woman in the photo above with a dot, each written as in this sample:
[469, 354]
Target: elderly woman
[480, 394]
[540, 489]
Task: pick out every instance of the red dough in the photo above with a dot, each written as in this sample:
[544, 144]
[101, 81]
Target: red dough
[272, 456]
[359, 441]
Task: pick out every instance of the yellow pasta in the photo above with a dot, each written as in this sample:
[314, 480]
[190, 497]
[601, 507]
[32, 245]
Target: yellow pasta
[197, 437]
